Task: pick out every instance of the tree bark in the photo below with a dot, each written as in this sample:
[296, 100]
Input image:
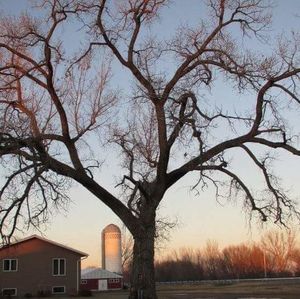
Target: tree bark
[142, 273]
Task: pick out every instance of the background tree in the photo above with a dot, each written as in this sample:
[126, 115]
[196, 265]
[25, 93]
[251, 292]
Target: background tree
[296, 261]
[182, 265]
[276, 253]
[244, 261]
[279, 248]
[213, 260]
[127, 246]
[54, 101]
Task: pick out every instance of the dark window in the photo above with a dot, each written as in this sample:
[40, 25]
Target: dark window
[9, 292]
[6, 265]
[59, 267]
[13, 265]
[59, 290]
[62, 266]
[83, 281]
[10, 265]
[114, 280]
[55, 267]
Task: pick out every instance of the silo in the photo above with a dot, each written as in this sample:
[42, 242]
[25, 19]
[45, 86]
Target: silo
[111, 249]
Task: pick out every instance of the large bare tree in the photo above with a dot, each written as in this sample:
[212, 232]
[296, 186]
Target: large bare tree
[54, 100]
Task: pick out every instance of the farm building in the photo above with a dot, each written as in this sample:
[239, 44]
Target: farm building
[36, 266]
[99, 279]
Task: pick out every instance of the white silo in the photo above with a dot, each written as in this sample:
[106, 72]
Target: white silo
[111, 249]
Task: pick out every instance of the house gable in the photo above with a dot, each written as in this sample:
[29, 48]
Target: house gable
[50, 242]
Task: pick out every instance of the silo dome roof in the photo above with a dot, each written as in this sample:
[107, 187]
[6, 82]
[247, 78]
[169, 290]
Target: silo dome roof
[111, 228]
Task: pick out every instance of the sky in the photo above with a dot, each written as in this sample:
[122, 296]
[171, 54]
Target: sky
[199, 217]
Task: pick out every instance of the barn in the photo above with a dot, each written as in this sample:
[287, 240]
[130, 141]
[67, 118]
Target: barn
[99, 279]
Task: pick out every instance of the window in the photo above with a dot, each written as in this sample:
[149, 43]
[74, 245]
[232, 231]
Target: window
[83, 281]
[59, 267]
[9, 292]
[114, 280]
[59, 290]
[10, 265]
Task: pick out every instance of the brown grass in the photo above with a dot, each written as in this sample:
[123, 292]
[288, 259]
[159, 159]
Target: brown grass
[258, 288]
[236, 288]
[278, 290]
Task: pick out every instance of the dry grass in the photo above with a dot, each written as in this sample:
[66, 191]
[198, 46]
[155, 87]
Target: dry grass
[237, 288]
[257, 288]
[278, 290]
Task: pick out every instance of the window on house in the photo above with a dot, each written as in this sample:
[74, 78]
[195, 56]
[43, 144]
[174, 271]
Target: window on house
[9, 292]
[59, 266]
[10, 265]
[59, 290]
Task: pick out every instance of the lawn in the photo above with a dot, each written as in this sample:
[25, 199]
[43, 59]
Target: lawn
[246, 289]
[236, 290]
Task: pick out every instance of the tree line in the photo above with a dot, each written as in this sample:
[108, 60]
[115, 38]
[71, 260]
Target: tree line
[276, 255]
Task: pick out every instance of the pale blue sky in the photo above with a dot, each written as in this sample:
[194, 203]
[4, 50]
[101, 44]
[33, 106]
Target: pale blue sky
[200, 217]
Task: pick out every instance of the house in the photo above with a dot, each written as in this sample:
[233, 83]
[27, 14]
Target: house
[99, 279]
[37, 266]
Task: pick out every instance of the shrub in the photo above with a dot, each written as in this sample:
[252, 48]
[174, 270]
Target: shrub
[44, 293]
[85, 293]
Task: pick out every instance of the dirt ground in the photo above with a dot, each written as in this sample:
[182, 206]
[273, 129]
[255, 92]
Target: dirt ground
[211, 291]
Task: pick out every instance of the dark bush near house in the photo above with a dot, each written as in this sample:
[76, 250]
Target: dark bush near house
[85, 293]
[44, 293]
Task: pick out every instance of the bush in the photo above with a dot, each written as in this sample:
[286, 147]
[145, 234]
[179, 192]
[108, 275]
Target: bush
[44, 293]
[85, 293]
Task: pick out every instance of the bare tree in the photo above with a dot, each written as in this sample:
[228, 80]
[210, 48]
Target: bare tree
[182, 265]
[127, 245]
[279, 247]
[296, 261]
[276, 254]
[212, 260]
[244, 261]
[53, 101]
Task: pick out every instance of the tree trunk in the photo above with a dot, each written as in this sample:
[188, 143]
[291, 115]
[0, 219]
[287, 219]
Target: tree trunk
[142, 273]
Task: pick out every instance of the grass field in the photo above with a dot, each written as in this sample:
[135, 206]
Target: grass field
[233, 291]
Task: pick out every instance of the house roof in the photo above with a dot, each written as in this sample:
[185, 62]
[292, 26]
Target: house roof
[47, 241]
[98, 273]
